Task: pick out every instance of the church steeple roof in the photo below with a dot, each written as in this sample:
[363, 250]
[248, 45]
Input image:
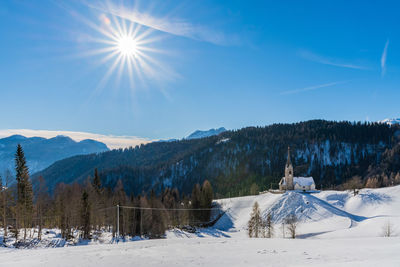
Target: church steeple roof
[288, 162]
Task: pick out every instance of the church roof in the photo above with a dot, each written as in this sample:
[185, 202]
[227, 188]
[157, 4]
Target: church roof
[301, 181]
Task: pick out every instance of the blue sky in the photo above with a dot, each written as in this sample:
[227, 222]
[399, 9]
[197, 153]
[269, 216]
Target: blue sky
[213, 63]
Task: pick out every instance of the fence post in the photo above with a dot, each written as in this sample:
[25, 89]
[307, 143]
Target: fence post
[141, 222]
[118, 221]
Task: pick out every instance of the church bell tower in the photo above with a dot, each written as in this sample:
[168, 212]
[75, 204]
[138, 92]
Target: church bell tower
[289, 172]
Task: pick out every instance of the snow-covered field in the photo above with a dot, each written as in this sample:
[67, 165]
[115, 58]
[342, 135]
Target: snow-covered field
[335, 229]
[216, 252]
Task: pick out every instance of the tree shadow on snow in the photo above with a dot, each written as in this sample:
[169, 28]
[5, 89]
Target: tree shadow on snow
[374, 197]
[304, 236]
[204, 232]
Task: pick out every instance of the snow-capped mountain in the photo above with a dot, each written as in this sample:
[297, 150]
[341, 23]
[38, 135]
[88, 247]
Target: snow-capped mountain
[390, 121]
[201, 134]
[41, 152]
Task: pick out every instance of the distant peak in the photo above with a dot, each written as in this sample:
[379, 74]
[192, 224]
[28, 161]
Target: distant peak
[61, 137]
[15, 137]
[202, 134]
[390, 121]
[95, 142]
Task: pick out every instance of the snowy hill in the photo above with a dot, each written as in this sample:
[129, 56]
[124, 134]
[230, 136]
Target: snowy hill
[390, 121]
[326, 214]
[202, 134]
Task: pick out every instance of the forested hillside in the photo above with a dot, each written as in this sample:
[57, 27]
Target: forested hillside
[235, 161]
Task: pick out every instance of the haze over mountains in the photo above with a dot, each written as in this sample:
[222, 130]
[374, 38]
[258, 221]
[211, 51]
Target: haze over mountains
[41, 152]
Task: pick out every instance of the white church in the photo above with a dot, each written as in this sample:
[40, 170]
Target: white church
[295, 183]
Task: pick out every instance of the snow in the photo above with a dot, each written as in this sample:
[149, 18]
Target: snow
[202, 134]
[216, 252]
[301, 181]
[335, 228]
[390, 121]
[325, 214]
[223, 140]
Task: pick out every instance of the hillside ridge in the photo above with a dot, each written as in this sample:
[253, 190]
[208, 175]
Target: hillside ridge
[233, 161]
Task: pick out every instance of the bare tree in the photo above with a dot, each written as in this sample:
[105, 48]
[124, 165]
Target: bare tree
[41, 204]
[387, 229]
[354, 184]
[397, 178]
[269, 226]
[254, 189]
[385, 180]
[6, 197]
[291, 222]
[372, 182]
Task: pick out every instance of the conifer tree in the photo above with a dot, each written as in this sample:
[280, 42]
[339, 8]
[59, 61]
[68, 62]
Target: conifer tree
[85, 215]
[255, 224]
[206, 201]
[97, 182]
[196, 204]
[96, 196]
[24, 191]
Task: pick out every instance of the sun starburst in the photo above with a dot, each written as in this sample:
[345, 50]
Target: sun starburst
[127, 49]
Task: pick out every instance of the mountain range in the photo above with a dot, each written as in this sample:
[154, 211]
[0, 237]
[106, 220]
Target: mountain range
[234, 161]
[41, 152]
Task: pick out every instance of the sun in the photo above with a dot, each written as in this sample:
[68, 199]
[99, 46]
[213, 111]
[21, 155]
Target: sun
[129, 50]
[127, 46]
